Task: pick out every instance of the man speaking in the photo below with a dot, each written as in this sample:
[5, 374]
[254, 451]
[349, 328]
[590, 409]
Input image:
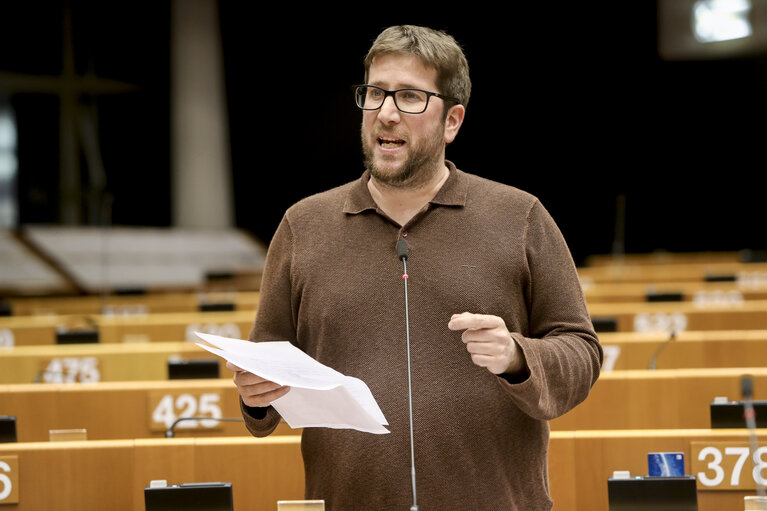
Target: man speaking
[499, 337]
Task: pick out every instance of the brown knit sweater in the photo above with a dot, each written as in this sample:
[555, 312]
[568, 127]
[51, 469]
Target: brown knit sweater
[333, 286]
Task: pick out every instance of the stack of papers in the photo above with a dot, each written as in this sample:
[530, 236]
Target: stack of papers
[319, 396]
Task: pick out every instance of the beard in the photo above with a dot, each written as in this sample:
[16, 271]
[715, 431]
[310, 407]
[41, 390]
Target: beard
[423, 161]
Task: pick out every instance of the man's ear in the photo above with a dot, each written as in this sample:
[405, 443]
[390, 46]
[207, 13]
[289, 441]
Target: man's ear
[453, 122]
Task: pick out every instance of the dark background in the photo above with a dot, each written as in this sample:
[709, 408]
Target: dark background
[572, 104]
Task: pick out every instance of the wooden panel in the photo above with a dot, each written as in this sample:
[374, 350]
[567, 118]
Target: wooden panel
[117, 410]
[36, 330]
[660, 399]
[128, 305]
[73, 476]
[89, 363]
[658, 273]
[112, 410]
[703, 293]
[727, 348]
[113, 474]
[683, 316]
[599, 453]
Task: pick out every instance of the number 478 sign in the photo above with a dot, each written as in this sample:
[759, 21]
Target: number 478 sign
[729, 465]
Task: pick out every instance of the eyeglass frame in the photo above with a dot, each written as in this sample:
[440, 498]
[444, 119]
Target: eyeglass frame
[392, 93]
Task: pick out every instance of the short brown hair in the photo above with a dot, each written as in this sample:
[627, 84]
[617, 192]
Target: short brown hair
[435, 49]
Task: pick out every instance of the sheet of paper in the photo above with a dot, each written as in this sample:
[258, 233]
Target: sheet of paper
[319, 396]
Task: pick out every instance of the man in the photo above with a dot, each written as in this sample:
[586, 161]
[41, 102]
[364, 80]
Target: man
[501, 341]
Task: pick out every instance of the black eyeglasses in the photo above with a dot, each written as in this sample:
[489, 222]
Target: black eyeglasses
[409, 101]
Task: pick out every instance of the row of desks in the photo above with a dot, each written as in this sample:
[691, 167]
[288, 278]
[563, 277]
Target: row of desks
[112, 474]
[88, 363]
[746, 286]
[659, 399]
[159, 327]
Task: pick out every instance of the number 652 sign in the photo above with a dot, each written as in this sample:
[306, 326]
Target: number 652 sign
[729, 465]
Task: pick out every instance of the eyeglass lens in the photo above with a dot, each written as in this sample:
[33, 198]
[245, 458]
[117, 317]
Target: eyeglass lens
[412, 101]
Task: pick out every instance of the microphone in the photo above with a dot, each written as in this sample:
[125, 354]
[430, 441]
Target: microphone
[171, 434]
[402, 256]
[660, 348]
[402, 251]
[747, 390]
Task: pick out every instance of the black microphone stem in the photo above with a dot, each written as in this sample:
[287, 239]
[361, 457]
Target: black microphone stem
[747, 388]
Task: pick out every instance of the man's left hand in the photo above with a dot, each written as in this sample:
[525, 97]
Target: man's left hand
[489, 342]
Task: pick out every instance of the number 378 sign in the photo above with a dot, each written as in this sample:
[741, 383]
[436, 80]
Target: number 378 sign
[729, 465]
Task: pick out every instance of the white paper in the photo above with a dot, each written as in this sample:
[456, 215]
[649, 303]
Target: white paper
[319, 395]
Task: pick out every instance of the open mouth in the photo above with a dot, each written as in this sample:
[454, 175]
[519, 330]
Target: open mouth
[390, 143]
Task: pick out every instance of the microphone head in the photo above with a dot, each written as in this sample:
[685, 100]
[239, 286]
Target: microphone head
[402, 250]
[747, 387]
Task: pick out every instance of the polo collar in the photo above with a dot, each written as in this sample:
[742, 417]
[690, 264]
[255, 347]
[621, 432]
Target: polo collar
[453, 192]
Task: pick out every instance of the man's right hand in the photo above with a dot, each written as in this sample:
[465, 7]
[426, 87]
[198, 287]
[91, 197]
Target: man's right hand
[254, 390]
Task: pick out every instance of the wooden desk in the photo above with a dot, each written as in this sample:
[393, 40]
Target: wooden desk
[663, 258]
[580, 462]
[124, 410]
[703, 293]
[637, 399]
[90, 363]
[682, 316]
[657, 273]
[725, 348]
[660, 399]
[129, 304]
[112, 474]
[148, 361]
[160, 327]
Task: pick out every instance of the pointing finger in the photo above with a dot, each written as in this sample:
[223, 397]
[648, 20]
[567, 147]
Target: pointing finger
[469, 320]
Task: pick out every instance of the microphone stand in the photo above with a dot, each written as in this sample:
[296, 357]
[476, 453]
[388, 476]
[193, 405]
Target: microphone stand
[747, 387]
[660, 348]
[171, 434]
[402, 254]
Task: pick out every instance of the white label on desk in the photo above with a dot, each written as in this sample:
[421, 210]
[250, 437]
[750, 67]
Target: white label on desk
[6, 338]
[9, 480]
[166, 407]
[612, 352]
[660, 322]
[223, 330]
[717, 298]
[71, 370]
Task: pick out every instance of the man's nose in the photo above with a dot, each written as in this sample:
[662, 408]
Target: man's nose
[389, 112]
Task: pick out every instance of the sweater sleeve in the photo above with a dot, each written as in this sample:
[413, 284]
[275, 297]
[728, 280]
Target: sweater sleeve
[562, 350]
[274, 318]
